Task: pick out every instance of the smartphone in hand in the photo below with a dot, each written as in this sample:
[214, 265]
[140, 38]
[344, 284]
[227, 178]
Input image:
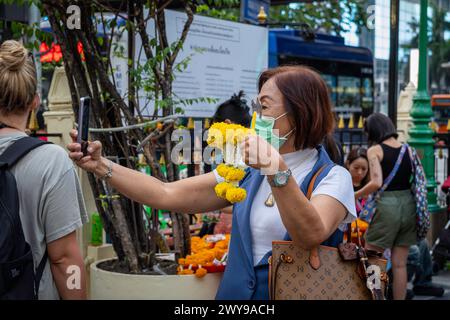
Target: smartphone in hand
[83, 123]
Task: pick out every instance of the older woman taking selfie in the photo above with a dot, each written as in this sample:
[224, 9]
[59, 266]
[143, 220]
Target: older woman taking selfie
[294, 110]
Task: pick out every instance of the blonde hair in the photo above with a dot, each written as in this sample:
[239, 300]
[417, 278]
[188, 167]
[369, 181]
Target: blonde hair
[18, 83]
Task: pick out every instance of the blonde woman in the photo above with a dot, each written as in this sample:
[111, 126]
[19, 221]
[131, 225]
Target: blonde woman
[50, 199]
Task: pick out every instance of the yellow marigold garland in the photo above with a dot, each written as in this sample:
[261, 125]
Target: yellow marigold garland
[219, 135]
[230, 192]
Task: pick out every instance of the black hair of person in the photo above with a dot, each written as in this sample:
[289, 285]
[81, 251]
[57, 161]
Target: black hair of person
[334, 149]
[379, 128]
[235, 109]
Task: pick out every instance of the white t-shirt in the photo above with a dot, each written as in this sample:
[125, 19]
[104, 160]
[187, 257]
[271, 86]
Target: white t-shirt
[265, 222]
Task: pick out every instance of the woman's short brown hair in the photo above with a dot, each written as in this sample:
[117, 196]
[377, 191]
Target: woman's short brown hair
[306, 97]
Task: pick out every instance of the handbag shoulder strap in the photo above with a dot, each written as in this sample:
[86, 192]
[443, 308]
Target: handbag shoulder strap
[312, 182]
[314, 259]
[394, 171]
[414, 159]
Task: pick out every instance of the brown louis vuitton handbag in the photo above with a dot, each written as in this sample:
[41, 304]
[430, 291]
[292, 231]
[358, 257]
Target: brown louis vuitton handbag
[325, 273]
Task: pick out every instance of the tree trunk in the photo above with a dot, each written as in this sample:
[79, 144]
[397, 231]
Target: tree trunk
[123, 231]
[90, 77]
[181, 233]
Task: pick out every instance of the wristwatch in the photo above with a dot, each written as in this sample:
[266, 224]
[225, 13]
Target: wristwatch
[280, 179]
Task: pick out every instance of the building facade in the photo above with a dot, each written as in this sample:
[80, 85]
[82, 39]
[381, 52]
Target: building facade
[378, 40]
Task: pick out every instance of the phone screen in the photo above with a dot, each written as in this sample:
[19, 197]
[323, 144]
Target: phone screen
[83, 121]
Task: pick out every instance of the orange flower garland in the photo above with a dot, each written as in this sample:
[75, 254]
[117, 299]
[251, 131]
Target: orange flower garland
[208, 255]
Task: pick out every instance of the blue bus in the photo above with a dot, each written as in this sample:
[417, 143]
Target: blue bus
[347, 70]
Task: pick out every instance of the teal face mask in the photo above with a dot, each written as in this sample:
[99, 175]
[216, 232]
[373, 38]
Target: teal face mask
[264, 128]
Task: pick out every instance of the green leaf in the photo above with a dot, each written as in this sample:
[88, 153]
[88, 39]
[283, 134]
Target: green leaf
[113, 23]
[153, 42]
[179, 110]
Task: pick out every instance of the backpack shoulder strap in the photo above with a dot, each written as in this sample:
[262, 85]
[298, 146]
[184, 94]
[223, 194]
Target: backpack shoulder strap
[39, 272]
[19, 149]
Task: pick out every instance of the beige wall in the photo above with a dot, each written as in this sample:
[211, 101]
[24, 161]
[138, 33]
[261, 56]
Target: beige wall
[404, 105]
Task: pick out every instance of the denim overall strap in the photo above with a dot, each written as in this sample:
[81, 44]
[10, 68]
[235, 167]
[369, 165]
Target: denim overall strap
[239, 280]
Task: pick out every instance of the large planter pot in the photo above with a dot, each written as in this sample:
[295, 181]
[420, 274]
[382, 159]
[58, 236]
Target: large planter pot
[106, 285]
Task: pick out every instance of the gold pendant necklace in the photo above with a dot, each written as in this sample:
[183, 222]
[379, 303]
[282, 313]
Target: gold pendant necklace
[270, 202]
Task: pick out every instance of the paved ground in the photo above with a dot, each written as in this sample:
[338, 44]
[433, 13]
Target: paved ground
[441, 279]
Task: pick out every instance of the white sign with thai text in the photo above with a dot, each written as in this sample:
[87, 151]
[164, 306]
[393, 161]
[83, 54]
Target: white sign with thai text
[225, 57]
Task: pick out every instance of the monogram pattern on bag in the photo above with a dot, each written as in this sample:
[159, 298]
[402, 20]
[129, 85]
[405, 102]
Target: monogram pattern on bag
[334, 280]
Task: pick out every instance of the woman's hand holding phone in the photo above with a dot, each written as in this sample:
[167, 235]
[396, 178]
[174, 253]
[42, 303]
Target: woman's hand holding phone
[93, 161]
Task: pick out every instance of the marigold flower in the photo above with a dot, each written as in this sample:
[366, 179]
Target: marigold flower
[219, 254]
[234, 174]
[239, 134]
[201, 272]
[222, 244]
[235, 195]
[216, 135]
[223, 170]
[222, 188]
[220, 133]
